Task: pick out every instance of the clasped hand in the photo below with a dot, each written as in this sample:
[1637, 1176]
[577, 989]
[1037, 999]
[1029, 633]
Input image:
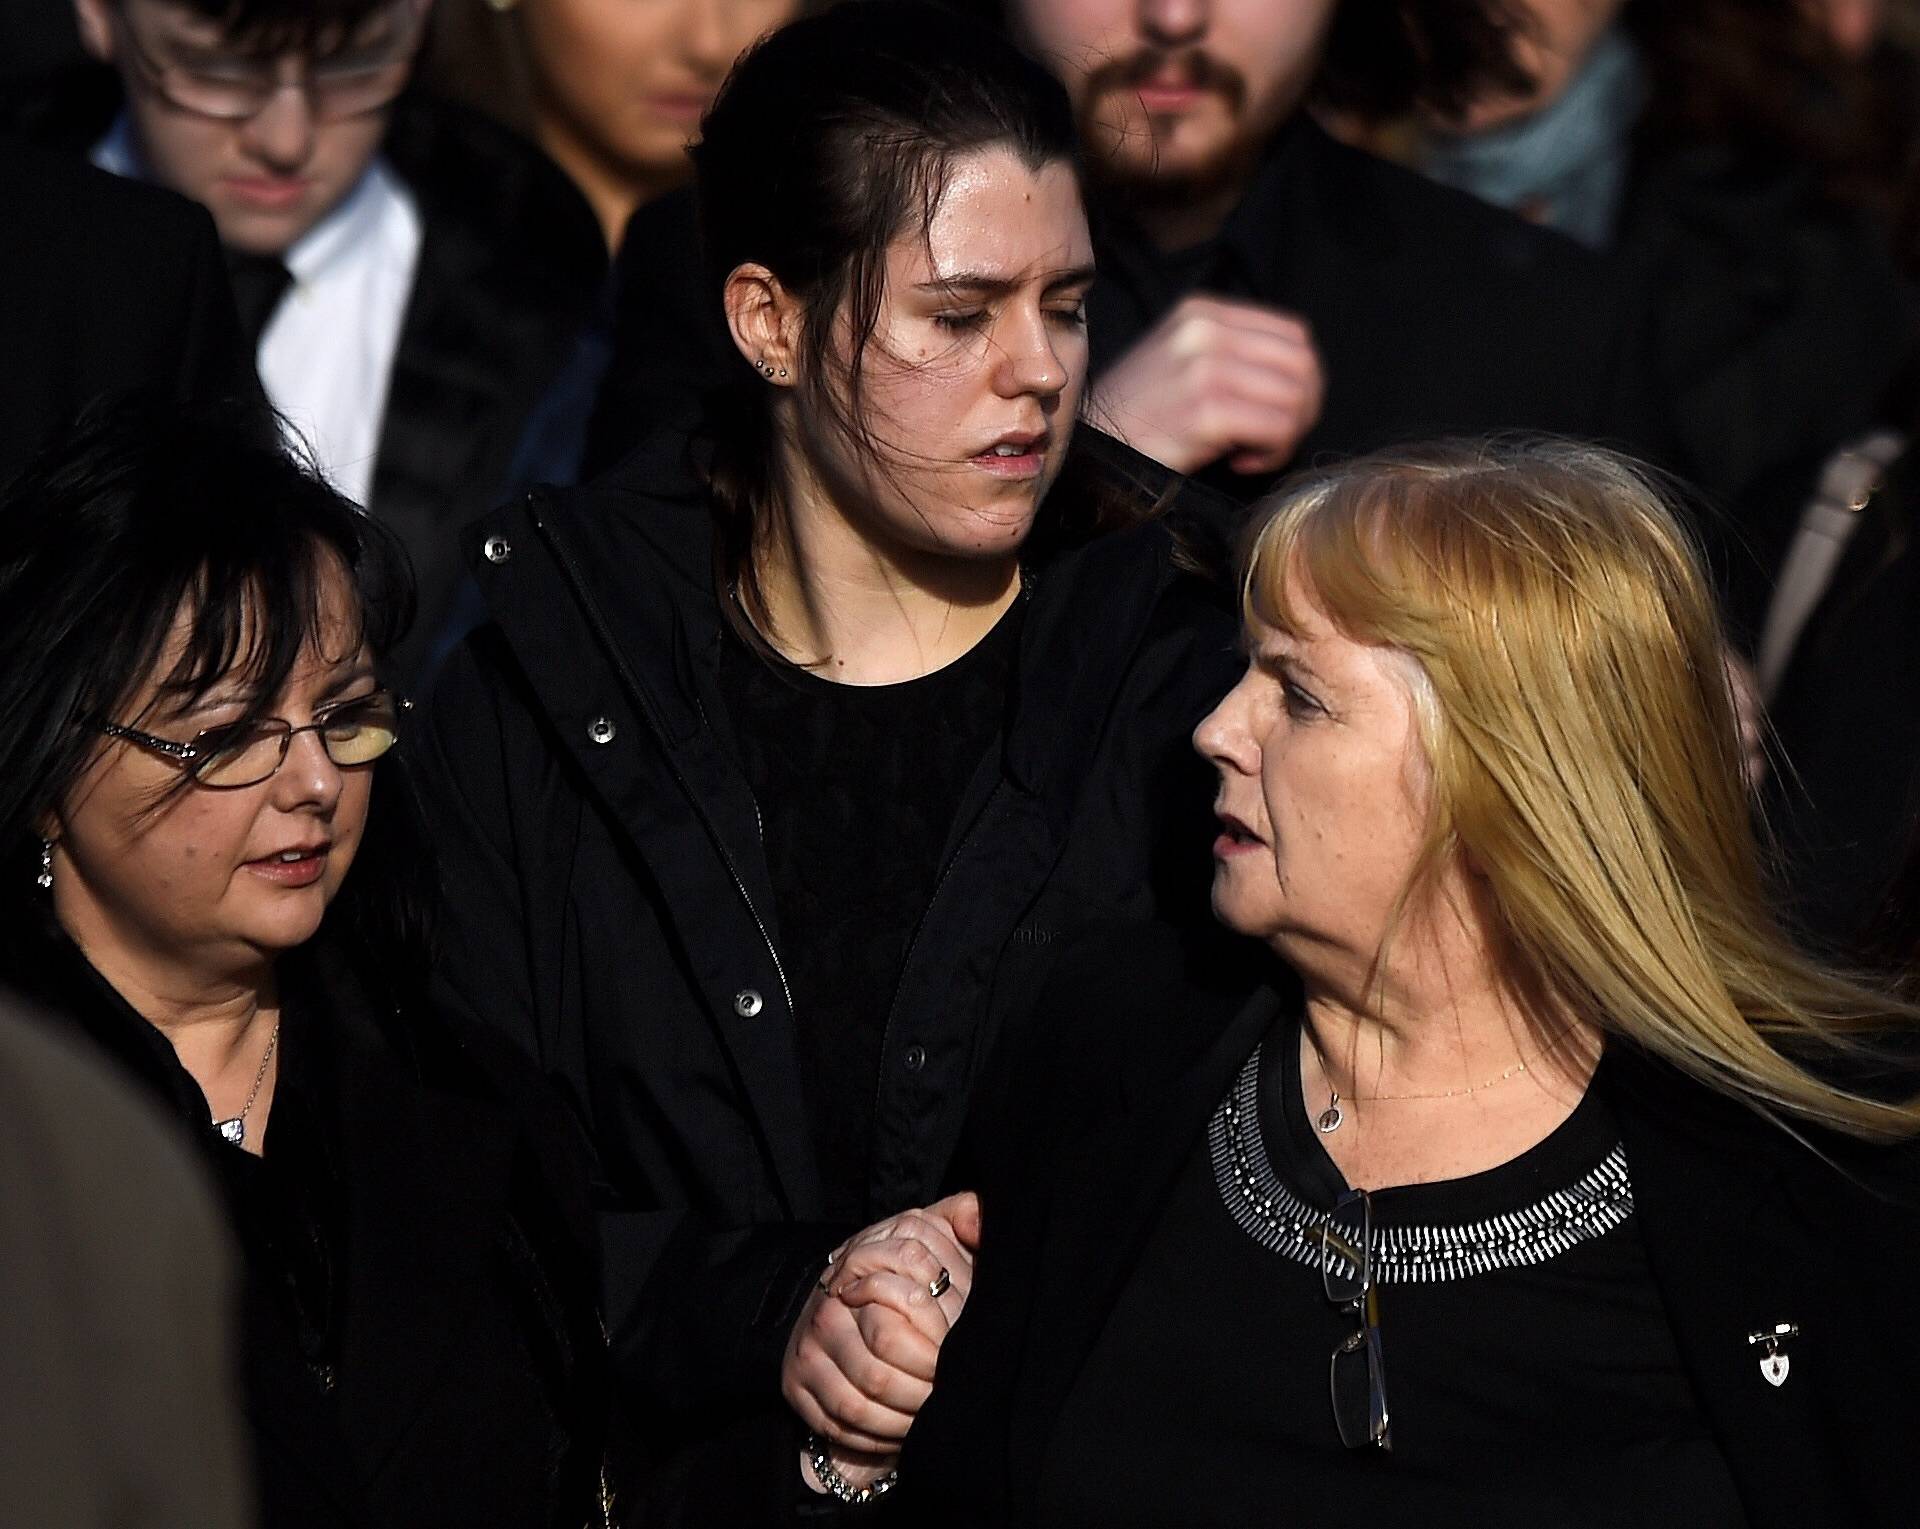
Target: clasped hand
[860, 1362]
[1215, 378]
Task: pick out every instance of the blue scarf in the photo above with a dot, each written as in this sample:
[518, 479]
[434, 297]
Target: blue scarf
[1565, 165]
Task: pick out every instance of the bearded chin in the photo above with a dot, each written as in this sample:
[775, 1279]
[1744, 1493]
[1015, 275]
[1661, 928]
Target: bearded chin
[1140, 169]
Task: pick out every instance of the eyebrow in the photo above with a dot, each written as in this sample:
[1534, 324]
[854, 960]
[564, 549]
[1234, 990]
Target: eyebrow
[346, 679]
[997, 286]
[343, 680]
[1273, 656]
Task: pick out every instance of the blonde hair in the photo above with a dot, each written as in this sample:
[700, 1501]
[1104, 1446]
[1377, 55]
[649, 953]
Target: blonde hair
[1584, 758]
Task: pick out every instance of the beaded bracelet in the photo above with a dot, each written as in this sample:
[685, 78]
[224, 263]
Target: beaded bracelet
[837, 1484]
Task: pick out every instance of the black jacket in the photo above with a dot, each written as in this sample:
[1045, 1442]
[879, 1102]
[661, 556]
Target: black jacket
[1744, 1228]
[511, 264]
[616, 913]
[1779, 323]
[1434, 313]
[104, 286]
[464, 1380]
[1843, 799]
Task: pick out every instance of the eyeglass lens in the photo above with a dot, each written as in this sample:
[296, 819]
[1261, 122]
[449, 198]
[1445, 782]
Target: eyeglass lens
[1357, 1371]
[354, 734]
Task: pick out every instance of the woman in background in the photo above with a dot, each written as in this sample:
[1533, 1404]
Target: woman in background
[613, 90]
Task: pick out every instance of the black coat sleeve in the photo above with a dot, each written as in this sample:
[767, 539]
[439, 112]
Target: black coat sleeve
[698, 1315]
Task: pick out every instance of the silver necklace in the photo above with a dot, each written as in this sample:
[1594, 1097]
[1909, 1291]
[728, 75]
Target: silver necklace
[235, 1130]
[1333, 1117]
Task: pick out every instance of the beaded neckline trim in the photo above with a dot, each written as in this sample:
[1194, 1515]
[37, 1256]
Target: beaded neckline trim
[1280, 1221]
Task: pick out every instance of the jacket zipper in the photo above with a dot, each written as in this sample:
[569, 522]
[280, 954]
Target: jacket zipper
[604, 633]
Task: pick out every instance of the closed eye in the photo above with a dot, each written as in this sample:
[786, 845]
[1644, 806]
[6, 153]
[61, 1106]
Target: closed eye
[1302, 704]
[960, 322]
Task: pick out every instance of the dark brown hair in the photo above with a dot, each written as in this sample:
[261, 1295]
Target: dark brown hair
[275, 26]
[1384, 57]
[1757, 77]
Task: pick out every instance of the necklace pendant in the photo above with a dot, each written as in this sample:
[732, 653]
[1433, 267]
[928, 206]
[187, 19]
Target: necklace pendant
[234, 1130]
[1328, 1120]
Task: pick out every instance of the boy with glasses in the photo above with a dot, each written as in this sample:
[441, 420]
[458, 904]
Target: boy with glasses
[410, 275]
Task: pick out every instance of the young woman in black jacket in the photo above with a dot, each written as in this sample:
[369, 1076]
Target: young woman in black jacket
[795, 745]
[214, 876]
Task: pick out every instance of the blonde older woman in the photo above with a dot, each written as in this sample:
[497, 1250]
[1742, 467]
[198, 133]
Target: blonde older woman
[1541, 1180]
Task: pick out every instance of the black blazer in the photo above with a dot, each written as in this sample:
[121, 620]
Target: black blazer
[511, 263]
[104, 286]
[1779, 320]
[615, 913]
[1744, 1228]
[467, 1385]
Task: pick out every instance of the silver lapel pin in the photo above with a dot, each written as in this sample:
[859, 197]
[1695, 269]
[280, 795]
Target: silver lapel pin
[1773, 1363]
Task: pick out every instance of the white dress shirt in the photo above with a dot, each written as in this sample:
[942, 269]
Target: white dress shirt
[326, 356]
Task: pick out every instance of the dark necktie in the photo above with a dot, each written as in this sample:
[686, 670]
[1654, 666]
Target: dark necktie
[259, 282]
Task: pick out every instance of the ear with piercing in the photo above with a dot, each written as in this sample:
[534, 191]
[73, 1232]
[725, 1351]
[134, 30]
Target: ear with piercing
[768, 371]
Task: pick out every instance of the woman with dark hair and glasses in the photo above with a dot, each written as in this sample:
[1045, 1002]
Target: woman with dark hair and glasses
[214, 874]
[1543, 1181]
[793, 748]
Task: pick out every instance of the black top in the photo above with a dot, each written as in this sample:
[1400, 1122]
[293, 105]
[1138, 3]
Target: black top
[1081, 1136]
[289, 1203]
[857, 788]
[1522, 1393]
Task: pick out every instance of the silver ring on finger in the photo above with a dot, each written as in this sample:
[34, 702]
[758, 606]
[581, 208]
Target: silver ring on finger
[940, 1284]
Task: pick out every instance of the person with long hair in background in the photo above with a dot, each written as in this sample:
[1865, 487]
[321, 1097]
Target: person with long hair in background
[611, 90]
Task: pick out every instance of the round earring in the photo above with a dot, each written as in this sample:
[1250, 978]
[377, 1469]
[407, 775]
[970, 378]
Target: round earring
[45, 879]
